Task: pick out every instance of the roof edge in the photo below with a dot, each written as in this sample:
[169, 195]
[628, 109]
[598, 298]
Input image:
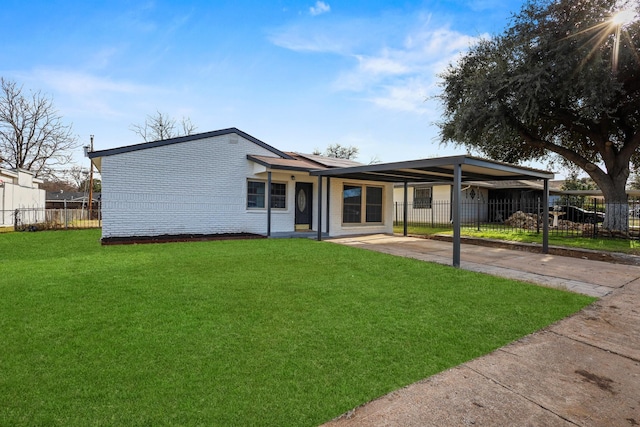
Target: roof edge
[186, 138]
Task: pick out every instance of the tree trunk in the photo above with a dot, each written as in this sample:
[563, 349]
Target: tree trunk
[616, 219]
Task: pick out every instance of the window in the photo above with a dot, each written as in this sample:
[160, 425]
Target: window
[256, 195]
[374, 204]
[422, 198]
[355, 201]
[351, 204]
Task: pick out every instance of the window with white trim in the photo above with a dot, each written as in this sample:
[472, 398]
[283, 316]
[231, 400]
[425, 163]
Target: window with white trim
[422, 198]
[359, 199]
[256, 195]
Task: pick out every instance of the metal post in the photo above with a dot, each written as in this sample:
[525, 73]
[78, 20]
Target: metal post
[320, 207]
[405, 211]
[545, 217]
[457, 193]
[268, 204]
[328, 202]
[91, 182]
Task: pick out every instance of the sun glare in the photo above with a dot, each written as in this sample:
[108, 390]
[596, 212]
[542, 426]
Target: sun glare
[623, 17]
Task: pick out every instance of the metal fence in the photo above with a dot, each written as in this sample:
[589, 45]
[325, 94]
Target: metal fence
[35, 219]
[568, 216]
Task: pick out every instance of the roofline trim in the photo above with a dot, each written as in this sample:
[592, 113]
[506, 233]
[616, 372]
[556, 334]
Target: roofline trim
[186, 138]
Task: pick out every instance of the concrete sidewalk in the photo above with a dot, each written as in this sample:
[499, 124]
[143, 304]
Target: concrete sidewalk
[583, 370]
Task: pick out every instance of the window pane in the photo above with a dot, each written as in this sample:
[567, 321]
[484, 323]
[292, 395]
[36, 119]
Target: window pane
[374, 204]
[255, 194]
[351, 204]
[278, 196]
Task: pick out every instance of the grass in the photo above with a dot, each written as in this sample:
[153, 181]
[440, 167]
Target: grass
[600, 244]
[261, 332]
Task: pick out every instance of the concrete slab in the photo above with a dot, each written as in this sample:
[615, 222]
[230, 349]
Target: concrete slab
[612, 323]
[457, 397]
[588, 271]
[578, 382]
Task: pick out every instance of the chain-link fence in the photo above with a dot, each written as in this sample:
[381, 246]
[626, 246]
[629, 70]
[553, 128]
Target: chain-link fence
[35, 219]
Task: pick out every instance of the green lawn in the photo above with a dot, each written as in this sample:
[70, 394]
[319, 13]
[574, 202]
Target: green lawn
[285, 332]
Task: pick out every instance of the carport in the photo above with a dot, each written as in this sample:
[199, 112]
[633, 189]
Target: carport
[454, 169]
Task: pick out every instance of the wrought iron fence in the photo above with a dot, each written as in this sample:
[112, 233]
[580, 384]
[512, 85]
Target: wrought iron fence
[35, 219]
[571, 217]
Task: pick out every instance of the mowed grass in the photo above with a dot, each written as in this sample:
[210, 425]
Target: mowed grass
[259, 332]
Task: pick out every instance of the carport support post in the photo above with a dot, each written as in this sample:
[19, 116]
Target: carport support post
[328, 202]
[320, 208]
[545, 217]
[457, 184]
[405, 209]
[268, 204]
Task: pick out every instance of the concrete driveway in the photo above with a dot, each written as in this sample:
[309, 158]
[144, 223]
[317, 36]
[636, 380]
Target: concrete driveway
[581, 371]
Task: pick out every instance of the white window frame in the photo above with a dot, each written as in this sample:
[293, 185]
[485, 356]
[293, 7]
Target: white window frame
[264, 183]
[422, 202]
[363, 204]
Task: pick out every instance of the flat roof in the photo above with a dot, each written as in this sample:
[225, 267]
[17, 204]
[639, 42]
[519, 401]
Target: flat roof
[440, 169]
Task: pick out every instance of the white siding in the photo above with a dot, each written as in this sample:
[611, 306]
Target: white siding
[194, 187]
[19, 190]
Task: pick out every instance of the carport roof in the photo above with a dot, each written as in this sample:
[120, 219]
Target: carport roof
[436, 170]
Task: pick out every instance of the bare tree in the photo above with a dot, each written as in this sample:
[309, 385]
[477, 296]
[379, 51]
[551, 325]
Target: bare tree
[160, 126]
[32, 134]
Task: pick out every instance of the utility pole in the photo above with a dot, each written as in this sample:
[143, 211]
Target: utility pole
[90, 181]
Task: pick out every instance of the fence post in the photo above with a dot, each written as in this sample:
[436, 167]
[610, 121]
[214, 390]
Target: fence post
[478, 209]
[396, 220]
[65, 213]
[595, 219]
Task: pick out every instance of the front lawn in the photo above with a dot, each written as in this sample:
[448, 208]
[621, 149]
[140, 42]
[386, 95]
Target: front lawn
[287, 332]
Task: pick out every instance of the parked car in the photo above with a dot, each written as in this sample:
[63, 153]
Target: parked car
[576, 214]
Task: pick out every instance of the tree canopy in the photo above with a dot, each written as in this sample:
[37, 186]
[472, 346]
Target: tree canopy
[32, 134]
[562, 82]
[339, 152]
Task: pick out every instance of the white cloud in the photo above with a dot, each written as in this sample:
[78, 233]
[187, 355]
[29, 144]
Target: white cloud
[82, 93]
[319, 8]
[395, 60]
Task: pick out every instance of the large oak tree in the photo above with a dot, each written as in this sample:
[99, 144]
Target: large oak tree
[562, 82]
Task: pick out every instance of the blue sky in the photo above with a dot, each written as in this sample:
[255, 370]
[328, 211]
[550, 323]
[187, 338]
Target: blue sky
[298, 75]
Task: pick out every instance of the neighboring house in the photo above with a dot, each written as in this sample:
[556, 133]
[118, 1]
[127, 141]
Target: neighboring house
[484, 201]
[20, 189]
[218, 183]
[71, 200]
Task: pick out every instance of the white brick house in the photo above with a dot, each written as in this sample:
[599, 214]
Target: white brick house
[217, 183]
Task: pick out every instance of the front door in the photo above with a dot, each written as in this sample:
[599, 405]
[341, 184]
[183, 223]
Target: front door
[304, 195]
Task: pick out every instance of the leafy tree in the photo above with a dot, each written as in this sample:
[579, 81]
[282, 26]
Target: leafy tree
[339, 152]
[574, 183]
[161, 126]
[553, 86]
[97, 186]
[32, 134]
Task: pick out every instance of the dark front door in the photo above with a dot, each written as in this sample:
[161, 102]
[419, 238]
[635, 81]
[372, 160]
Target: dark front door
[304, 195]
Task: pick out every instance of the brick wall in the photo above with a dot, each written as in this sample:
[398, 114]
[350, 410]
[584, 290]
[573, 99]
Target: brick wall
[194, 187]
